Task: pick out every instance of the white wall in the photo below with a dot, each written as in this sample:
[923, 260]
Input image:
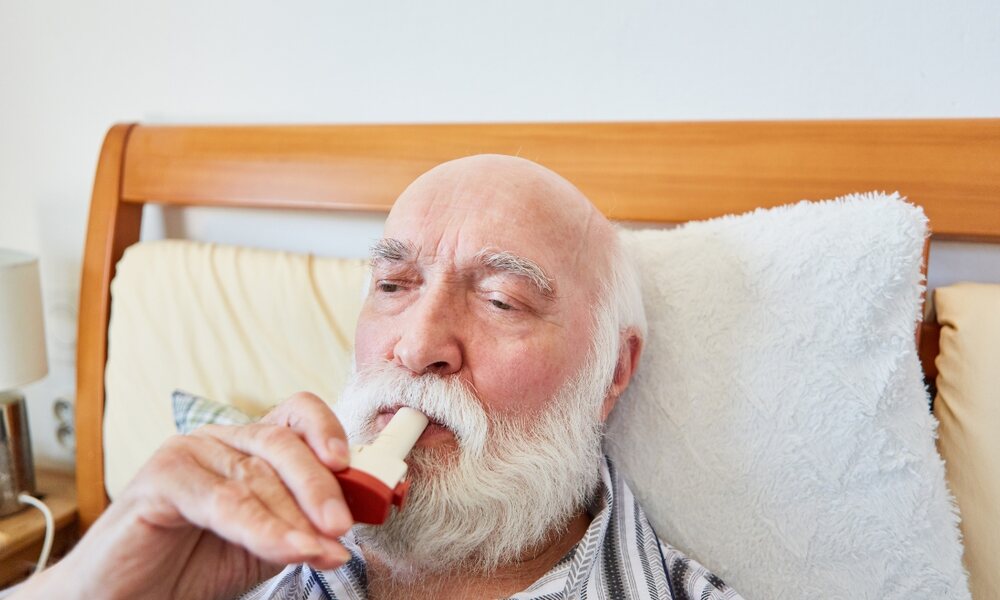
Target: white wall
[70, 69]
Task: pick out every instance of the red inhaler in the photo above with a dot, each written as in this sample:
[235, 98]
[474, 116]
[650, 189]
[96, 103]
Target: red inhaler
[375, 479]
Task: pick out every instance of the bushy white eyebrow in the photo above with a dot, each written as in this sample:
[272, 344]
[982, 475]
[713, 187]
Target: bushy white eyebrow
[516, 265]
[392, 250]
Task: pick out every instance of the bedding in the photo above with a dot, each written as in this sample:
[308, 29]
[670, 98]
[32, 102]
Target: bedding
[968, 407]
[778, 428]
[778, 420]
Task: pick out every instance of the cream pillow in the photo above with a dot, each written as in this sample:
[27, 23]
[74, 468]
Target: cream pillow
[242, 326]
[968, 406]
[778, 429]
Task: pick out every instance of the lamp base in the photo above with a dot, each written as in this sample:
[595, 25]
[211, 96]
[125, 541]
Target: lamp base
[17, 469]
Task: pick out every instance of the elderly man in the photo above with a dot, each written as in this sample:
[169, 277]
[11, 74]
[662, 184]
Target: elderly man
[501, 306]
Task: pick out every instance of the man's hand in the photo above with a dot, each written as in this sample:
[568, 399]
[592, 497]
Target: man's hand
[214, 512]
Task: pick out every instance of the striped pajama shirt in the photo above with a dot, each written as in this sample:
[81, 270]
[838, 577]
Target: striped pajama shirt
[618, 558]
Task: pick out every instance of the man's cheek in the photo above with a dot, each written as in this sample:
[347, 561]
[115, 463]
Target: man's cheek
[522, 385]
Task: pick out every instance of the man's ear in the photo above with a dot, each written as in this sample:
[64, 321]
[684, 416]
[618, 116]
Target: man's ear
[629, 351]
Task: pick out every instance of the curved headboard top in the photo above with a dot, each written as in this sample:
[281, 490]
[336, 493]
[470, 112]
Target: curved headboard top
[661, 171]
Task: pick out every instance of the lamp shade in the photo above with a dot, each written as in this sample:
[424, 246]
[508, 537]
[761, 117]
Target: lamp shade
[22, 334]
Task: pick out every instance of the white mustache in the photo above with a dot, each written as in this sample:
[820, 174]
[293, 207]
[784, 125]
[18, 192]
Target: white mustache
[446, 401]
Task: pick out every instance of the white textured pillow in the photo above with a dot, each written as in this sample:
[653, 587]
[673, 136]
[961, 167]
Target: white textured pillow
[778, 429]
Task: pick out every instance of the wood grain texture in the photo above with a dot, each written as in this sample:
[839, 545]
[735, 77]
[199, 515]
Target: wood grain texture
[664, 172]
[112, 227]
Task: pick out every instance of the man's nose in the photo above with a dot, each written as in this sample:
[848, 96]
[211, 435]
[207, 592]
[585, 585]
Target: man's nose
[428, 342]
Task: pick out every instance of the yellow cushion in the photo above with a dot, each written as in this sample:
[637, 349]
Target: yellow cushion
[968, 407]
[242, 326]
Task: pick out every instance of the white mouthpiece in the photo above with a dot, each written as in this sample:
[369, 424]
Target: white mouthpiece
[383, 458]
[401, 433]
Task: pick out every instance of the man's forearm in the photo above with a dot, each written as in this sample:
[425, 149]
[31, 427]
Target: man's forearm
[57, 581]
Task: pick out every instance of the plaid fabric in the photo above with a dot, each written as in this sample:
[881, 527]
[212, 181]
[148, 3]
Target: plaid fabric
[191, 412]
[618, 558]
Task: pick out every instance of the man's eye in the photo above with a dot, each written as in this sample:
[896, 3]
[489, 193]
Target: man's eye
[501, 304]
[388, 287]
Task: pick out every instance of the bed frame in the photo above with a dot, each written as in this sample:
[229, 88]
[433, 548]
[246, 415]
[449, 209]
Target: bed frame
[651, 172]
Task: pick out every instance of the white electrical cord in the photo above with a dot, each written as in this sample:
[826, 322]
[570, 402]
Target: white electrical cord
[50, 529]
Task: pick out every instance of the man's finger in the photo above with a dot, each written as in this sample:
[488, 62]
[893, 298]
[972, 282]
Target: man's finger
[256, 472]
[233, 512]
[191, 494]
[312, 484]
[313, 420]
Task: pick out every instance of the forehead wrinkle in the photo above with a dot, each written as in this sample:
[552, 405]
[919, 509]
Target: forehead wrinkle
[517, 265]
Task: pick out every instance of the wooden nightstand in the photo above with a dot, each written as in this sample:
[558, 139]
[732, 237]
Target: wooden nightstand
[21, 533]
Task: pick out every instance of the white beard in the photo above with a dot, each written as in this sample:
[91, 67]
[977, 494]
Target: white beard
[514, 485]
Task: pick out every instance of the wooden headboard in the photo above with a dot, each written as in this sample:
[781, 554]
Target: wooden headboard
[654, 172]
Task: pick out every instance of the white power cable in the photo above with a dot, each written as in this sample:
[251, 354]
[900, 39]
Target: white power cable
[50, 529]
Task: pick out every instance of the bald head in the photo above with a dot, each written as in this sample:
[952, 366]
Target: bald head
[515, 198]
[486, 177]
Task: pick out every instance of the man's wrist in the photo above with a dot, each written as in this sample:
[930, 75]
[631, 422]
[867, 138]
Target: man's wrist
[53, 582]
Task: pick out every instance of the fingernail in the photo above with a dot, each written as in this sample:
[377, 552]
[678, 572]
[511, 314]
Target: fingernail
[336, 516]
[304, 543]
[339, 450]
